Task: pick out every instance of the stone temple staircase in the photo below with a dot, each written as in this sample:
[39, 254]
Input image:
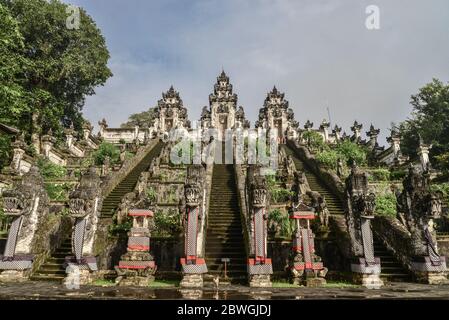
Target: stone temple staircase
[333, 202]
[52, 269]
[127, 185]
[224, 237]
[392, 270]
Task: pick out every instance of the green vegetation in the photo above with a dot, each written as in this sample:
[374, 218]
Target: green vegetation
[397, 175]
[164, 284]
[277, 193]
[347, 151]
[107, 149]
[386, 204]
[443, 188]
[50, 170]
[167, 224]
[429, 119]
[47, 69]
[314, 140]
[104, 283]
[152, 194]
[379, 174]
[116, 229]
[141, 119]
[281, 218]
[58, 192]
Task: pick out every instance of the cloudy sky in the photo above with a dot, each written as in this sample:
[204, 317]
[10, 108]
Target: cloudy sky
[318, 52]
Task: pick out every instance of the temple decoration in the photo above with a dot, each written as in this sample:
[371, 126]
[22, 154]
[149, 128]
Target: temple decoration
[305, 266]
[27, 204]
[193, 263]
[84, 206]
[417, 207]
[137, 266]
[356, 130]
[276, 114]
[359, 213]
[259, 265]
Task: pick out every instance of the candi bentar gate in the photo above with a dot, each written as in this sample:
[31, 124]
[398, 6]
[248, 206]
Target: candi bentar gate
[142, 216]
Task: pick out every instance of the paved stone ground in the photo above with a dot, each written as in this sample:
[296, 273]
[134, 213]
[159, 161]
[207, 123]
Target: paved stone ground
[46, 290]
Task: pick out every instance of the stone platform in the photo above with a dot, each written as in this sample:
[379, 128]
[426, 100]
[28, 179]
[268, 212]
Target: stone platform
[45, 290]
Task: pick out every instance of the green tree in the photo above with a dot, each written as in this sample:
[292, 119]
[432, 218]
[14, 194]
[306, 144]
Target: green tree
[141, 119]
[49, 68]
[430, 119]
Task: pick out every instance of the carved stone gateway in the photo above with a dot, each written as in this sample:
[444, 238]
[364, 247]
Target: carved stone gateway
[27, 205]
[359, 212]
[305, 266]
[84, 206]
[193, 263]
[417, 207]
[137, 267]
[259, 265]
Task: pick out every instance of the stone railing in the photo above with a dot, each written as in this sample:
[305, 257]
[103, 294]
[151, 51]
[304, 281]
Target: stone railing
[329, 178]
[395, 237]
[115, 178]
[240, 174]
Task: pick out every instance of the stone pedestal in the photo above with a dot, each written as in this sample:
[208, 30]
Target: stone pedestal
[13, 276]
[191, 294]
[431, 273]
[260, 281]
[135, 281]
[314, 282]
[192, 281]
[77, 276]
[368, 275]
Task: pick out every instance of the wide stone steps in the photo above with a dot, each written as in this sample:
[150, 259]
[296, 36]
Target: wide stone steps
[52, 269]
[334, 204]
[128, 184]
[391, 268]
[224, 237]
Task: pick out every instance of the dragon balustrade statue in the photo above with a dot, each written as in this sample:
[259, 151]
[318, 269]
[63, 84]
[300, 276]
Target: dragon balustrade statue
[27, 205]
[360, 208]
[84, 207]
[417, 207]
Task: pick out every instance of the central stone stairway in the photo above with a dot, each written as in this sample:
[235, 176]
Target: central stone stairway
[127, 185]
[391, 268]
[52, 269]
[224, 237]
[333, 202]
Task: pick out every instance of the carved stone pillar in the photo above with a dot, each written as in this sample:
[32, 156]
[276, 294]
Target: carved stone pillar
[305, 266]
[337, 133]
[259, 265]
[324, 126]
[85, 207]
[136, 266]
[372, 134]
[423, 152]
[359, 213]
[47, 143]
[27, 204]
[193, 263]
[417, 207]
[356, 128]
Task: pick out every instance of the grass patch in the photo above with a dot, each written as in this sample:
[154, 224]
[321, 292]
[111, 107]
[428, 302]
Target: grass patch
[104, 283]
[283, 284]
[340, 285]
[164, 284]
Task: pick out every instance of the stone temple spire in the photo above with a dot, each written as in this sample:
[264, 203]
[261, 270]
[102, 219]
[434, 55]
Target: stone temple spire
[223, 90]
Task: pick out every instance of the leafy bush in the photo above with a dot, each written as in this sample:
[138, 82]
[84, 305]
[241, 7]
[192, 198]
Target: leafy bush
[397, 174]
[282, 220]
[386, 204]
[107, 149]
[351, 151]
[328, 158]
[314, 140]
[279, 195]
[58, 192]
[5, 150]
[151, 194]
[443, 188]
[50, 170]
[380, 175]
[122, 228]
[167, 224]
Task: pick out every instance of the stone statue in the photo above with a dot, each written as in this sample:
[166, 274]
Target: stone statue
[85, 206]
[417, 206]
[259, 265]
[27, 204]
[359, 211]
